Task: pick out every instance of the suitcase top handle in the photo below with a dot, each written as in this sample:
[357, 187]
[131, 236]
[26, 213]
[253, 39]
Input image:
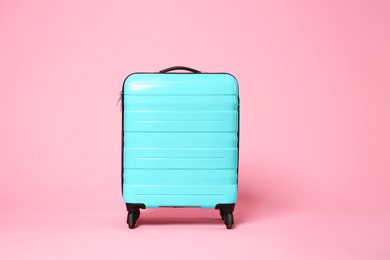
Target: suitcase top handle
[179, 68]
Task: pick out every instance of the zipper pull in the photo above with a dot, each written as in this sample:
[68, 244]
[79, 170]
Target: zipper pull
[120, 99]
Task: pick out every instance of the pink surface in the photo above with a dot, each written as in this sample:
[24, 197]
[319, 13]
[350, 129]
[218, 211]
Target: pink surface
[314, 166]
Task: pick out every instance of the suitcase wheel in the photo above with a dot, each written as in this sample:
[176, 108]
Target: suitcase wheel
[228, 218]
[229, 221]
[132, 218]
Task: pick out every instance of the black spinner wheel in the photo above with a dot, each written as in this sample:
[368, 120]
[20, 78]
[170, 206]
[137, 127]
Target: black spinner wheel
[131, 219]
[228, 219]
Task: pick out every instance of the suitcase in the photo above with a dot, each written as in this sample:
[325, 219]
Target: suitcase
[180, 138]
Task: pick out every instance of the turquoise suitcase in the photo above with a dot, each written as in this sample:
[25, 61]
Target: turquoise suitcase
[180, 136]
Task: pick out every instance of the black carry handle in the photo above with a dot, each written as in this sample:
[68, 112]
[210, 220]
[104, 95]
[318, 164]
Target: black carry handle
[180, 68]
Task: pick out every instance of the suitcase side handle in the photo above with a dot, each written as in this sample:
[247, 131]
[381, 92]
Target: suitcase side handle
[179, 68]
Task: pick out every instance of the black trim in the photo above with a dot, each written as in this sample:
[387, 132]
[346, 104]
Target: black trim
[133, 207]
[123, 133]
[238, 134]
[227, 208]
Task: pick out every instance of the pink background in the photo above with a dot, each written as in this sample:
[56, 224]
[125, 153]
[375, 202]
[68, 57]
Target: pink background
[315, 122]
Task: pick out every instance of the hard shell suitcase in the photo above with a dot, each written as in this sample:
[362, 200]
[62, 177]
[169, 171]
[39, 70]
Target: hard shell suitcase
[180, 136]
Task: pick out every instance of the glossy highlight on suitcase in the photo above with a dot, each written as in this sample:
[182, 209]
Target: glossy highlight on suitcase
[180, 135]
